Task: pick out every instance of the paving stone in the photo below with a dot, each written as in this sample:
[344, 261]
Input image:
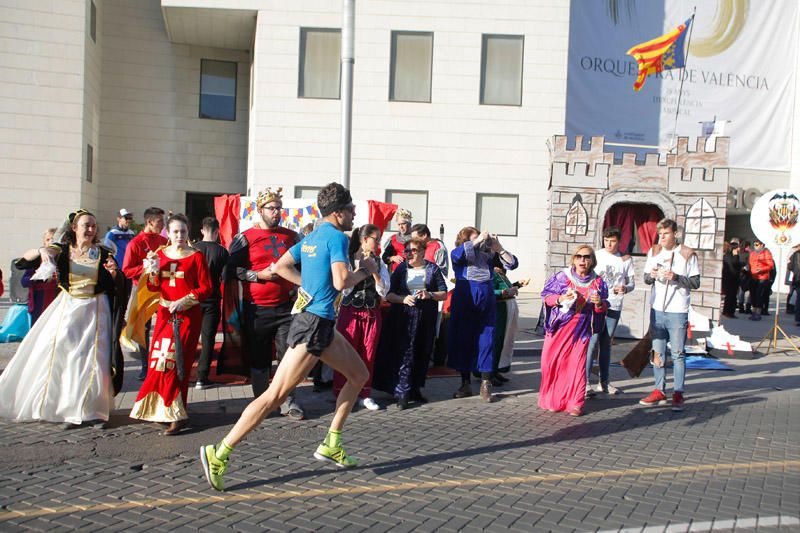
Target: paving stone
[738, 419]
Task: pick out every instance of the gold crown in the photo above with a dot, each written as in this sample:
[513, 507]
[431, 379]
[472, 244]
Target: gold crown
[268, 195]
[403, 214]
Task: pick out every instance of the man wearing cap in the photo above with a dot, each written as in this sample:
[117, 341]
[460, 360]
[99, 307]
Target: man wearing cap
[394, 248]
[267, 298]
[120, 235]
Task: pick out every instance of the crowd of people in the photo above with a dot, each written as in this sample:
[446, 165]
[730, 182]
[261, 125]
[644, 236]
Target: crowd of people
[748, 274]
[331, 295]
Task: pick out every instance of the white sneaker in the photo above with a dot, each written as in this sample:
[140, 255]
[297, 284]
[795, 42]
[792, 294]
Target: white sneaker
[609, 389]
[369, 403]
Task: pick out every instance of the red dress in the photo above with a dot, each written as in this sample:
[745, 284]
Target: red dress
[185, 278]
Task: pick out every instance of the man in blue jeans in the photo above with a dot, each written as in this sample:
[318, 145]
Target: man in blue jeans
[673, 271]
[617, 271]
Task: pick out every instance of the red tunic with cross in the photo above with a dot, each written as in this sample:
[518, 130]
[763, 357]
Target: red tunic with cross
[265, 247]
[158, 399]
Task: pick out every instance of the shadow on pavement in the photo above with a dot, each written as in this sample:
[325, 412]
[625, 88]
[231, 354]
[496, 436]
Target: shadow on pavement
[639, 418]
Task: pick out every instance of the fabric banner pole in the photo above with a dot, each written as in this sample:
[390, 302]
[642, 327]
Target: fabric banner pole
[680, 88]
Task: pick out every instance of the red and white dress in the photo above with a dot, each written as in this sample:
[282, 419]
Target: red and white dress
[185, 278]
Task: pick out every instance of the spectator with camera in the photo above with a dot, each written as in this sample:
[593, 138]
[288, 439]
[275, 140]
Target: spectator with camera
[473, 309]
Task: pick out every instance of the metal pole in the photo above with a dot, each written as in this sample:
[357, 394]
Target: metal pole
[348, 60]
[680, 90]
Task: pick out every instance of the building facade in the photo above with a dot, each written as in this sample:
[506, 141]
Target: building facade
[131, 103]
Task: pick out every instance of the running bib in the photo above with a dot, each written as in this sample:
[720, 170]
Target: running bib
[303, 299]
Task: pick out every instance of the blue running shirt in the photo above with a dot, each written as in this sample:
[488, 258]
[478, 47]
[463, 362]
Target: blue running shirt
[316, 253]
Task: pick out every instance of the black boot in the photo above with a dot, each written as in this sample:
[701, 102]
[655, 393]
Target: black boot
[402, 402]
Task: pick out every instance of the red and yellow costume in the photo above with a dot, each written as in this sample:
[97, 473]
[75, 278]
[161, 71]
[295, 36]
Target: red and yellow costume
[186, 279]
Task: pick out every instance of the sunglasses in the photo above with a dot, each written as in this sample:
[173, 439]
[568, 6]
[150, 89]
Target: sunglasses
[412, 250]
[582, 256]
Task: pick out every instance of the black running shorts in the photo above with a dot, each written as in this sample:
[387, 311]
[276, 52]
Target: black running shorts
[313, 331]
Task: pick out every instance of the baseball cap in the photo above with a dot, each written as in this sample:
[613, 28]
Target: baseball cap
[125, 213]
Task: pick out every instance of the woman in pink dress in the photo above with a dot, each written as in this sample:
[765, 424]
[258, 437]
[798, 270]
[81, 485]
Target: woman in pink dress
[575, 302]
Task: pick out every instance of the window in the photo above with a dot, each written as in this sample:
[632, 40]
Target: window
[701, 226]
[320, 51]
[217, 89]
[93, 21]
[501, 69]
[306, 191]
[89, 163]
[414, 201]
[198, 206]
[412, 61]
[497, 213]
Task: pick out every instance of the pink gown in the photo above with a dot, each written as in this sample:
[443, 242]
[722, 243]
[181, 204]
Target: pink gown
[563, 362]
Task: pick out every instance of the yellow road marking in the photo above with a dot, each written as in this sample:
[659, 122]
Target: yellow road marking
[365, 489]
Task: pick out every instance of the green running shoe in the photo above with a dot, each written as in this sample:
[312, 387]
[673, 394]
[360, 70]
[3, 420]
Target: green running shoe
[213, 467]
[335, 455]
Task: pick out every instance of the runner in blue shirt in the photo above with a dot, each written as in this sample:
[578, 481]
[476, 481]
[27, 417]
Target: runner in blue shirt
[312, 334]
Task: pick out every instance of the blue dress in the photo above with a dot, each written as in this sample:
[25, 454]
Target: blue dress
[470, 335]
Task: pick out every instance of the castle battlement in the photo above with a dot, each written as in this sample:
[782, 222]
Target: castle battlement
[697, 171]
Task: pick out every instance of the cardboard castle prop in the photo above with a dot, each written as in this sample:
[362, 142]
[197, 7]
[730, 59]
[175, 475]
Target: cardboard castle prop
[687, 186]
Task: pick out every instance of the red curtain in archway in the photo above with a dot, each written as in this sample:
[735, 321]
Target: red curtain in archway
[636, 222]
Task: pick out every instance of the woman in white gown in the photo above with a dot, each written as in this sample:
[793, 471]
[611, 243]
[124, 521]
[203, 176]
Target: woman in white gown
[62, 371]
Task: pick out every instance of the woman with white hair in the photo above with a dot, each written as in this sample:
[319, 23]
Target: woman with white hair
[394, 248]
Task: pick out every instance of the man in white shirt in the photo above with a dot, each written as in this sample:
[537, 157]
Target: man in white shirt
[617, 271]
[673, 271]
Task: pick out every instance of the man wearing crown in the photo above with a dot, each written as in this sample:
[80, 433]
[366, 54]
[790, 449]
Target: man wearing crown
[266, 297]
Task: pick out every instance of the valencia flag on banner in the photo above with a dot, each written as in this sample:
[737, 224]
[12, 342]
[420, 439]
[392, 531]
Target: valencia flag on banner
[661, 53]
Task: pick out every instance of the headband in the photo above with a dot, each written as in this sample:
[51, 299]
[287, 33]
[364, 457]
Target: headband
[344, 204]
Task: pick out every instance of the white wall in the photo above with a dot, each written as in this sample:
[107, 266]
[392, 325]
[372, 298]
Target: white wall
[154, 148]
[41, 118]
[92, 83]
[452, 147]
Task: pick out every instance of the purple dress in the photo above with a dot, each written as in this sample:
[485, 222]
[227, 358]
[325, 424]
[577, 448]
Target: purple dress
[567, 334]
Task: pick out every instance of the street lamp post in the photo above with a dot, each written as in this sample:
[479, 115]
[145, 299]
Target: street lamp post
[348, 60]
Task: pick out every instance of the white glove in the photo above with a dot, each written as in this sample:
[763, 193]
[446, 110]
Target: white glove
[44, 272]
[150, 265]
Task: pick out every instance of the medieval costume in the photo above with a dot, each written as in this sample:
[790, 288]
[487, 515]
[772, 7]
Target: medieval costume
[407, 340]
[506, 323]
[162, 397]
[63, 369]
[568, 328]
[359, 320]
[472, 311]
[40, 293]
[396, 244]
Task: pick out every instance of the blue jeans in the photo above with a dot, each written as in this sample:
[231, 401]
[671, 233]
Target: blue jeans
[604, 338]
[669, 327]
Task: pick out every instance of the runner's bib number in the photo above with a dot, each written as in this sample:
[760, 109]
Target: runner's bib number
[303, 300]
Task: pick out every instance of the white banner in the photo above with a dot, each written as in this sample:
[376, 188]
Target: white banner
[740, 69]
